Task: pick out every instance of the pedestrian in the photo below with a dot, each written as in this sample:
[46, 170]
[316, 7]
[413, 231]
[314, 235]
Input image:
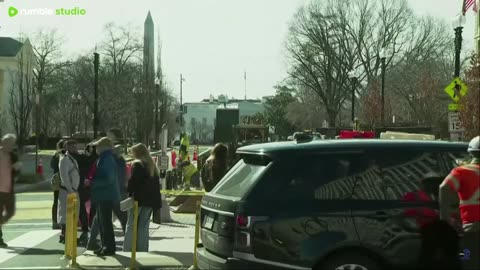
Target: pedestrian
[92, 243]
[426, 195]
[215, 167]
[55, 181]
[105, 194]
[440, 247]
[144, 187]
[463, 183]
[84, 164]
[92, 157]
[115, 134]
[70, 179]
[9, 170]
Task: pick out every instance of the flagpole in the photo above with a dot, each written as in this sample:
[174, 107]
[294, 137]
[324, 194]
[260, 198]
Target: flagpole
[477, 28]
[245, 79]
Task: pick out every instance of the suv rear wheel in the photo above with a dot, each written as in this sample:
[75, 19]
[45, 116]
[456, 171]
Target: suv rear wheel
[350, 261]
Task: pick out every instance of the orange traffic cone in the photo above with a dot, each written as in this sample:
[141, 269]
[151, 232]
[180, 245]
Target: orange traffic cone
[195, 154]
[40, 167]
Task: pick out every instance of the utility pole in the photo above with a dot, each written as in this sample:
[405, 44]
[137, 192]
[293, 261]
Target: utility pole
[353, 77]
[96, 63]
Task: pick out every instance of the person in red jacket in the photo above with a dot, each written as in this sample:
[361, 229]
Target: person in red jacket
[426, 194]
[463, 185]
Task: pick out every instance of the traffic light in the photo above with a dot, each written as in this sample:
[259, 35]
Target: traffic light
[184, 108]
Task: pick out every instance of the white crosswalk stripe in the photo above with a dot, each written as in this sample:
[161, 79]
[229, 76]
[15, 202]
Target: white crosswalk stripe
[25, 241]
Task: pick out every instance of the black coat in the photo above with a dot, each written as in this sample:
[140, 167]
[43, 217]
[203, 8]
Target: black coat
[143, 187]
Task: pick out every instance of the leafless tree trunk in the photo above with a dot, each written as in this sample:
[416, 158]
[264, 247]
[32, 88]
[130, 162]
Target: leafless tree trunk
[22, 97]
[47, 49]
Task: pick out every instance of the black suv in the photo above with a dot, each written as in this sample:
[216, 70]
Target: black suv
[324, 204]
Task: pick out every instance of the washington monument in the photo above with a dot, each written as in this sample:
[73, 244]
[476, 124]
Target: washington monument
[149, 53]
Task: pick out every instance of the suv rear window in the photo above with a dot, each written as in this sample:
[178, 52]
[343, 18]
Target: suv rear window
[241, 177]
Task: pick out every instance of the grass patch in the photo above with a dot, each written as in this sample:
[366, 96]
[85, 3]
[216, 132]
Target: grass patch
[29, 178]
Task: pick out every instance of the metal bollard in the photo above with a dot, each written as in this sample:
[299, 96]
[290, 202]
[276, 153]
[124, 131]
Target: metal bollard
[73, 252]
[197, 235]
[133, 258]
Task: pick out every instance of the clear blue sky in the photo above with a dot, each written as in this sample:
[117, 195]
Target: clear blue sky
[210, 41]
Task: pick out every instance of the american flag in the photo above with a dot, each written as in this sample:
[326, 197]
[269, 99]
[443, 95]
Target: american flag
[468, 4]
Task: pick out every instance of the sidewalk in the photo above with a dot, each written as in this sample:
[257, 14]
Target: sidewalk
[171, 247]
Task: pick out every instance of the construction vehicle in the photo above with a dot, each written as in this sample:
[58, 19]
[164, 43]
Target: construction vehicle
[225, 119]
[247, 134]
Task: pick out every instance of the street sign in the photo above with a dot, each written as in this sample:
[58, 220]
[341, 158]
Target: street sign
[454, 124]
[163, 162]
[456, 89]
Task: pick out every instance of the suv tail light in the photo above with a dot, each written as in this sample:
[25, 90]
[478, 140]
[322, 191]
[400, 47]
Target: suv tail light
[243, 233]
[243, 222]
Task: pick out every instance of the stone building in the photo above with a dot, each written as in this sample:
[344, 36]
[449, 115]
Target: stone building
[15, 54]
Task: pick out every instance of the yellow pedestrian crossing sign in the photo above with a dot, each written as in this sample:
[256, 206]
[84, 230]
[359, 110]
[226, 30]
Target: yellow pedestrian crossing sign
[456, 89]
[453, 107]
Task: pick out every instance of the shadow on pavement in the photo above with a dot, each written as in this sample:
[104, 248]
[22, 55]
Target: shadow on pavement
[35, 251]
[157, 238]
[176, 224]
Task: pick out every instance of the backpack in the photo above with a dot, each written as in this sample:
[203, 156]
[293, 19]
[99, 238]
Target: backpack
[207, 176]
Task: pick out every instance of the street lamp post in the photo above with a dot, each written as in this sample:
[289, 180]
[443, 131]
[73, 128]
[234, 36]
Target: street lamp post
[182, 79]
[96, 64]
[76, 117]
[137, 92]
[383, 58]
[85, 125]
[157, 87]
[37, 128]
[457, 24]
[353, 75]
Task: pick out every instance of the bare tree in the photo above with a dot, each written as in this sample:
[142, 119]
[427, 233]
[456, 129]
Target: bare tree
[47, 48]
[121, 70]
[329, 38]
[318, 55]
[306, 112]
[470, 104]
[22, 96]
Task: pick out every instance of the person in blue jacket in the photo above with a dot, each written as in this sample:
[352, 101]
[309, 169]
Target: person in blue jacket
[105, 194]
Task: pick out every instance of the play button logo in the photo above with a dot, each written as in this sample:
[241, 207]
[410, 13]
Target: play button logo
[12, 12]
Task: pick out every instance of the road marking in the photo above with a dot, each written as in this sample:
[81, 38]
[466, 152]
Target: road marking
[34, 204]
[34, 194]
[32, 267]
[25, 241]
[28, 224]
